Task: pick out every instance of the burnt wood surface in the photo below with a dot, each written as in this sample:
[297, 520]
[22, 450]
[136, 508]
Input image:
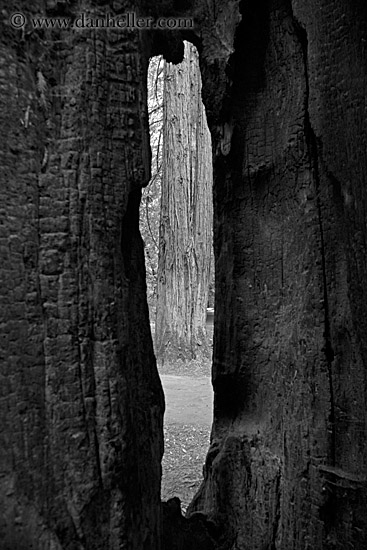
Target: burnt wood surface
[81, 404]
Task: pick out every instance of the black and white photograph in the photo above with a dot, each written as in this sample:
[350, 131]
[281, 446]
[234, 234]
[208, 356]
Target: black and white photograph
[183, 275]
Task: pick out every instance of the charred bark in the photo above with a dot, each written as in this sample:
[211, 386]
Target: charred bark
[289, 355]
[81, 403]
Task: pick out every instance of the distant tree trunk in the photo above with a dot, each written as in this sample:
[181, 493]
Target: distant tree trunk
[151, 198]
[185, 243]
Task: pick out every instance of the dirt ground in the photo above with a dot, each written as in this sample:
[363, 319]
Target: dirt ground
[189, 400]
[188, 417]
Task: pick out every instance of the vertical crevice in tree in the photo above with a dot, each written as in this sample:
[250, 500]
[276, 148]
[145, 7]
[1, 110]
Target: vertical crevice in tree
[85, 335]
[130, 228]
[277, 511]
[313, 151]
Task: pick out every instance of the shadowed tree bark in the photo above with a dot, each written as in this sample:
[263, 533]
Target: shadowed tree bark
[81, 404]
[287, 463]
[186, 239]
[81, 401]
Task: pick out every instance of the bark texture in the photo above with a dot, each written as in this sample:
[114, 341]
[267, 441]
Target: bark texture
[186, 226]
[81, 401]
[287, 464]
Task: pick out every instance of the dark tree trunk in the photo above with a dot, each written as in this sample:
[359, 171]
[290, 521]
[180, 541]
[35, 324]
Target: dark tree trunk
[287, 464]
[186, 226]
[81, 401]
